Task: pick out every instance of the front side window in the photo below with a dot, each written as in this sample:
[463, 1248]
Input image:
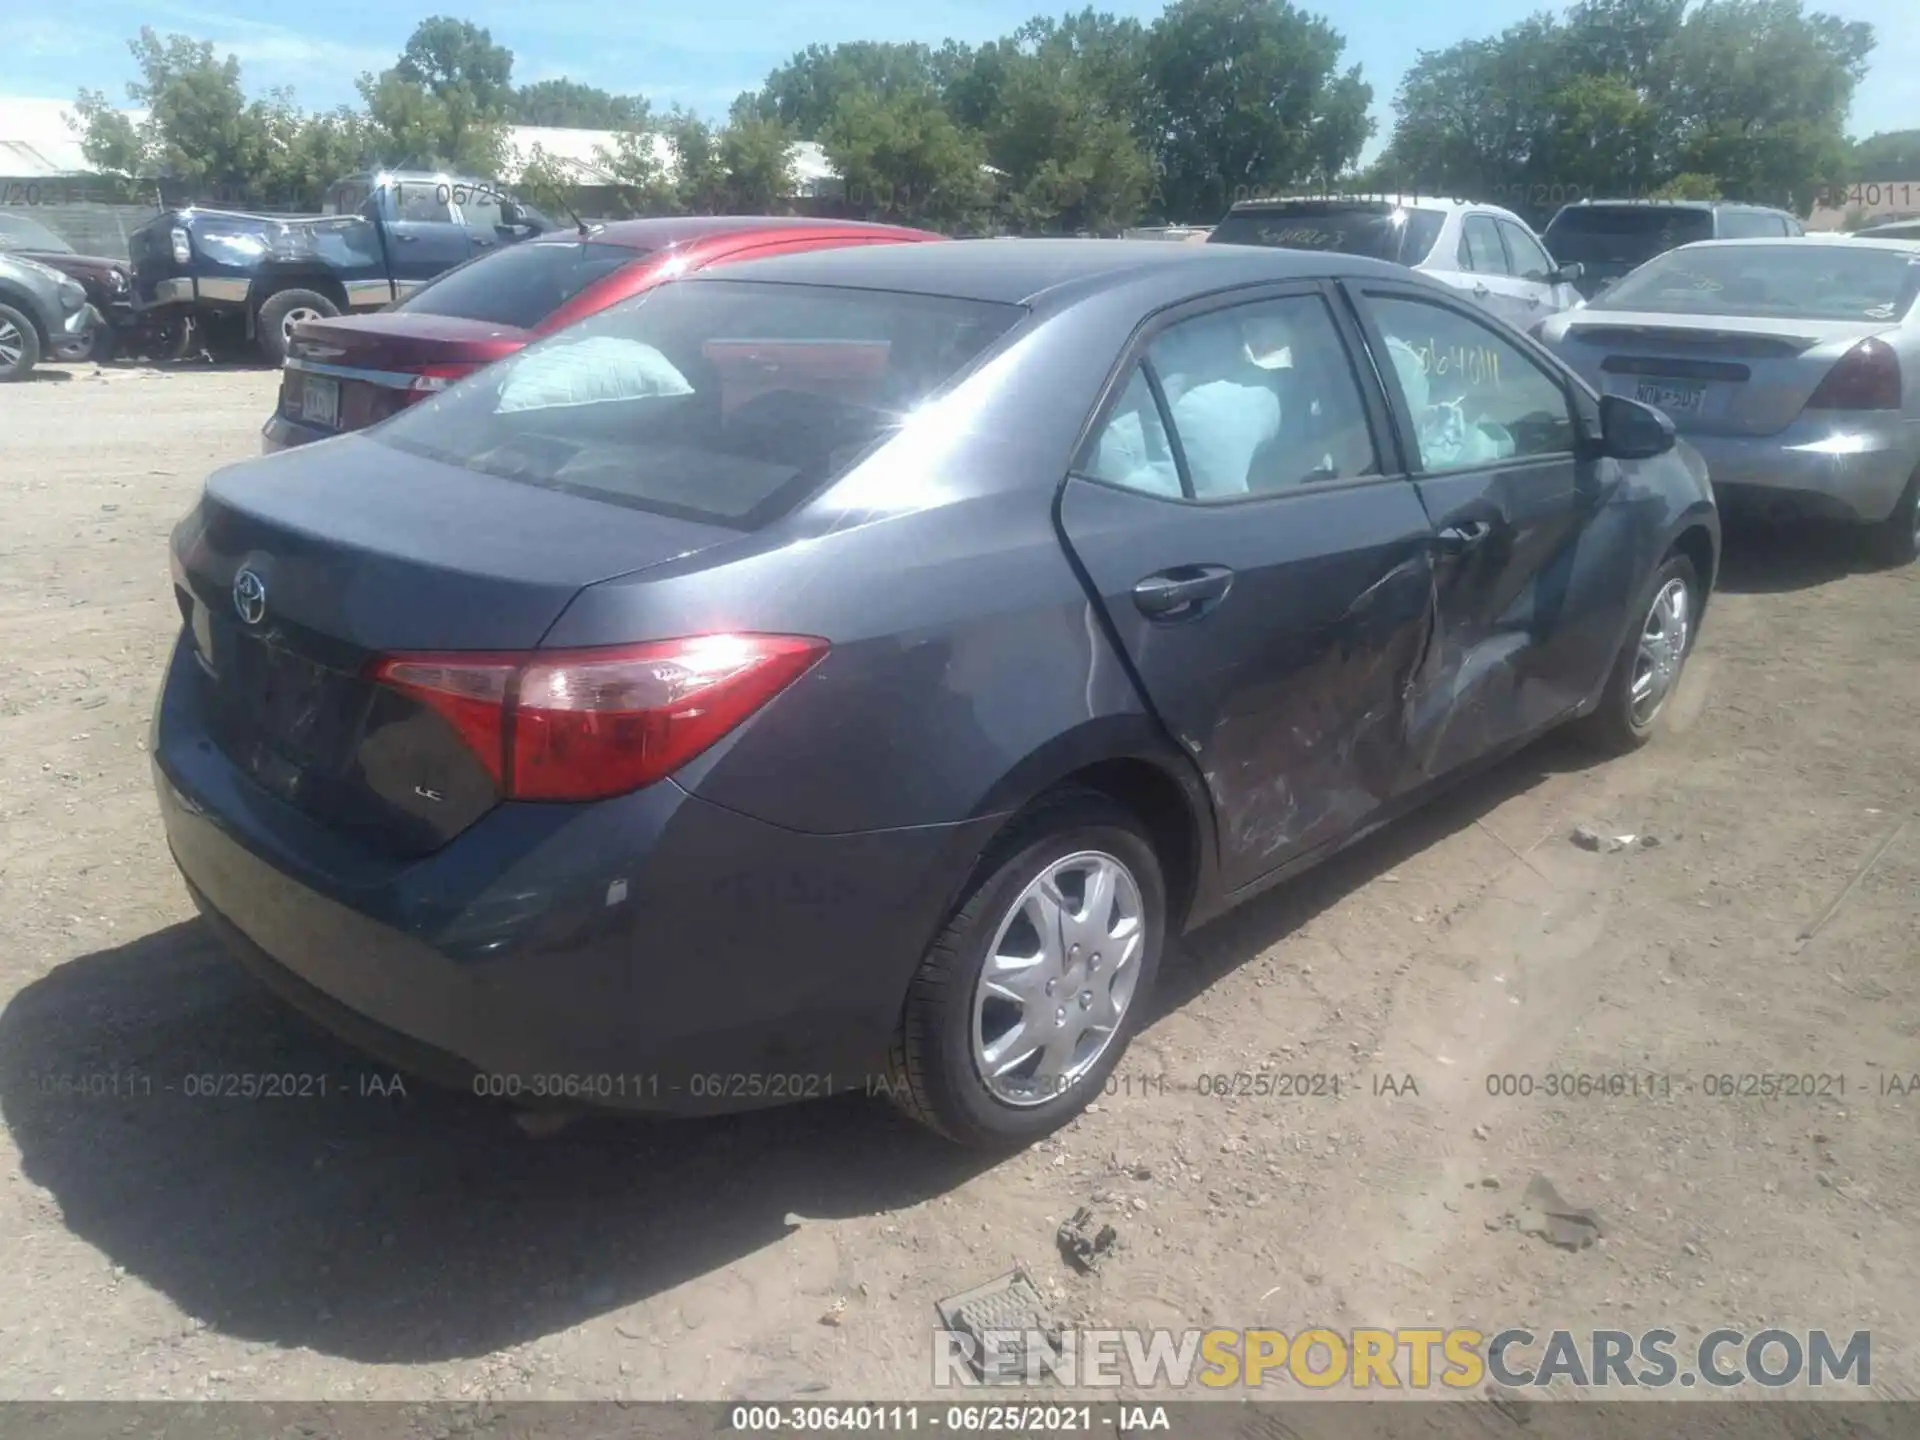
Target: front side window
[1262, 398]
[1480, 246]
[422, 200]
[1474, 397]
[1530, 262]
[723, 401]
[479, 208]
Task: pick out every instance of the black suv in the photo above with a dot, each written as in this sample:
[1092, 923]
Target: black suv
[1608, 238]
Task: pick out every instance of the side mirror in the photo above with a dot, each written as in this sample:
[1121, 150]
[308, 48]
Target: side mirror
[1566, 274]
[511, 214]
[1632, 431]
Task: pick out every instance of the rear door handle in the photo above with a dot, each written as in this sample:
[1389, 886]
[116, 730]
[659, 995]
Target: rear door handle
[406, 239]
[1183, 591]
[1464, 536]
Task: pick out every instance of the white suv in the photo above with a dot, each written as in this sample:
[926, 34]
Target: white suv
[1489, 253]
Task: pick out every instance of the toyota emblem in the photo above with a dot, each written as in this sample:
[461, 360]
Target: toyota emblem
[250, 597]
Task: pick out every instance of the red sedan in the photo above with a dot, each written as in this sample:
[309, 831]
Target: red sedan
[344, 374]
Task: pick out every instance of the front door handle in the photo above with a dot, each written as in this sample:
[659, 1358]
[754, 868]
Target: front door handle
[1534, 301]
[1482, 291]
[482, 241]
[1468, 533]
[406, 239]
[1183, 591]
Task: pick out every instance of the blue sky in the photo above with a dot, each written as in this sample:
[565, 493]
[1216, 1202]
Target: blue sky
[703, 54]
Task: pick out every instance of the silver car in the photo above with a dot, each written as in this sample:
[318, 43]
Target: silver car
[43, 315]
[1487, 253]
[1792, 366]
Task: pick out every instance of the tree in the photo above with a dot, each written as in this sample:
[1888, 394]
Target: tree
[904, 160]
[757, 156]
[635, 162]
[1890, 155]
[1056, 113]
[445, 55]
[444, 102]
[571, 105]
[1246, 95]
[1760, 96]
[805, 93]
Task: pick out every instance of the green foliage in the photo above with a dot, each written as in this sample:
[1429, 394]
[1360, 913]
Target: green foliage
[904, 160]
[1620, 98]
[1892, 155]
[571, 105]
[1084, 122]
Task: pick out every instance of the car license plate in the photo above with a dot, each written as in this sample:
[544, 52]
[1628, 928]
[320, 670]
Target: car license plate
[1671, 396]
[320, 401]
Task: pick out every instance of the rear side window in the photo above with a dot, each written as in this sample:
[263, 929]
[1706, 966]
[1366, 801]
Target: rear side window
[721, 401]
[423, 200]
[522, 285]
[1750, 225]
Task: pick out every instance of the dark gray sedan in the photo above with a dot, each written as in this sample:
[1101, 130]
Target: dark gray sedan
[852, 670]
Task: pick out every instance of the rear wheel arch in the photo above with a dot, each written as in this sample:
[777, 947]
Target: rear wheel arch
[1121, 759]
[269, 283]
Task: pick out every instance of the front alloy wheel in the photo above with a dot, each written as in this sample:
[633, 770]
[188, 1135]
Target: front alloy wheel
[1025, 1002]
[1648, 668]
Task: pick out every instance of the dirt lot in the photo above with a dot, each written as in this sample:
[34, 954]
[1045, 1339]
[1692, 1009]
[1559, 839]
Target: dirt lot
[158, 1245]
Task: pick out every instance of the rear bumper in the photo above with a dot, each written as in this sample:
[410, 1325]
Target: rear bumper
[1824, 468]
[280, 433]
[652, 952]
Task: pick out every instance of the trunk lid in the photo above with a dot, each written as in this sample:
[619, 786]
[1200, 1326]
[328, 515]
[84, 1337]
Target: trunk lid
[1713, 374]
[361, 550]
[348, 373]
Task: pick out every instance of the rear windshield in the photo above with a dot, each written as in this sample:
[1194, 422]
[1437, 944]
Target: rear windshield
[17, 232]
[1806, 278]
[522, 285]
[1619, 237]
[1379, 231]
[721, 401]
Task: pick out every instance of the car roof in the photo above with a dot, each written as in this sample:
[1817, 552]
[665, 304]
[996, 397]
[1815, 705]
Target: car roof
[1021, 271]
[1824, 237]
[1452, 206]
[661, 232]
[1602, 200]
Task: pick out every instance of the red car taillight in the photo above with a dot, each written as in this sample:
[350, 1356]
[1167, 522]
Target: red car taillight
[585, 724]
[1867, 377]
[432, 379]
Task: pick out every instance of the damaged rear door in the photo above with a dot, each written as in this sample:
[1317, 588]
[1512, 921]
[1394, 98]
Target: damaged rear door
[1529, 596]
[1267, 570]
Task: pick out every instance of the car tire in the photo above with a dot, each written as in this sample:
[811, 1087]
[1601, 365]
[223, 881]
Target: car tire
[1896, 540]
[1622, 722]
[934, 1070]
[282, 309]
[19, 345]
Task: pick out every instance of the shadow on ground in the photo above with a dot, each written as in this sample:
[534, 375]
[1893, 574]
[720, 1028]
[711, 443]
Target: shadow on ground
[424, 1226]
[1761, 559]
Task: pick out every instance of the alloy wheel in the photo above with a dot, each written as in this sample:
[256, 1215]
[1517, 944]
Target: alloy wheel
[299, 315]
[12, 344]
[1662, 650]
[1058, 978]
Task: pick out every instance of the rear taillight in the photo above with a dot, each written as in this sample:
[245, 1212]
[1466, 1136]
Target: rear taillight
[432, 379]
[1867, 377]
[584, 724]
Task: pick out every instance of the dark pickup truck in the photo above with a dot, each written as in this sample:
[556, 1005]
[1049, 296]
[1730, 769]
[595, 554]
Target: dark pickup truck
[381, 236]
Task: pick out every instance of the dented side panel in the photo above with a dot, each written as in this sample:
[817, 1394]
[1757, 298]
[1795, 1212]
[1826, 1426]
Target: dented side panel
[1289, 692]
[1523, 613]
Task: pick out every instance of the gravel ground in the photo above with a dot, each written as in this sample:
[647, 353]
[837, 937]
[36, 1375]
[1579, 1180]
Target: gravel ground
[419, 1246]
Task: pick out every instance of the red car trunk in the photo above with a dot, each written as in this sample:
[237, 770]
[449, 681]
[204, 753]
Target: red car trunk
[346, 374]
